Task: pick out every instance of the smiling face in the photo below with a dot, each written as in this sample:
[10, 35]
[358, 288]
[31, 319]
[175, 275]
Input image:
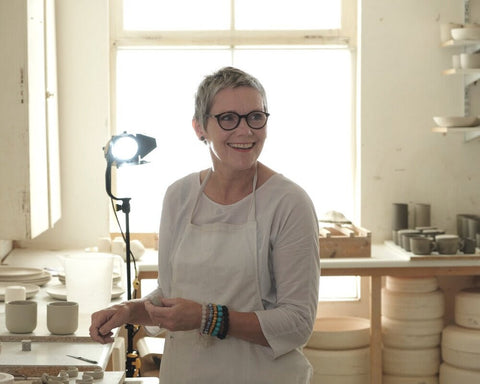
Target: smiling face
[238, 149]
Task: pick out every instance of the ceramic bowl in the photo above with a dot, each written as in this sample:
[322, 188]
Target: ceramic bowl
[468, 33]
[470, 60]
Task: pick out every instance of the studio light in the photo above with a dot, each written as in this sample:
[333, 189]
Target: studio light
[126, 149]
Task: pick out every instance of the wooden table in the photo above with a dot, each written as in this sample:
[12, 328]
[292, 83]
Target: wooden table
[391, 260]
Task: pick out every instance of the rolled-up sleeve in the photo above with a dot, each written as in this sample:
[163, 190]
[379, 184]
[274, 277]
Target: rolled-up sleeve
[295, 265]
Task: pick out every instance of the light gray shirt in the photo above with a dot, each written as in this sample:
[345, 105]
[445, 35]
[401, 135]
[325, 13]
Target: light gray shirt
[287, 251]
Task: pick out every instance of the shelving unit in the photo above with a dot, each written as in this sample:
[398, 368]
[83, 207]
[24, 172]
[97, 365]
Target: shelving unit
[470, 77]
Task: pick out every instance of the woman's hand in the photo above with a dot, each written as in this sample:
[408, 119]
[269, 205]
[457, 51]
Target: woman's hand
[107, 319]
[175, 314]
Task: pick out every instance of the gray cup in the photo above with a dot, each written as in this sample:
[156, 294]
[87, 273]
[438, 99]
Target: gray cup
[447, 244]
[469, 245]
[422, 215]
[406, 240]
[21, 316]
[400, 216]
[421, 245]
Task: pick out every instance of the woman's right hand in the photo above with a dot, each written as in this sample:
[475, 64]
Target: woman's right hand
[105, 320]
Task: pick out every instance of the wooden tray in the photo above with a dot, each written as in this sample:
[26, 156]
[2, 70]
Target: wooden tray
[344, 241]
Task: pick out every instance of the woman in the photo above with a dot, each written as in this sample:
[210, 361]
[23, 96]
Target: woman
[238, 255]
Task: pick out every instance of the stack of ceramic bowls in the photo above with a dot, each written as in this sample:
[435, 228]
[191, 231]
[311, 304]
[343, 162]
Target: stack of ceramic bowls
[461, 341]
[339, 350]
[412, 324]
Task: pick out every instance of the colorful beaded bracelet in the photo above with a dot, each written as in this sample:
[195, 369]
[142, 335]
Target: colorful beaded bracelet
[215, 320]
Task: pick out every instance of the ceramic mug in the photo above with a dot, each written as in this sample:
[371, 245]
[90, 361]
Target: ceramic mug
[21, 316]
[62, 317]
[406, 240]
[469, 246]
[421, 245]
[401, 234]
[447, 244]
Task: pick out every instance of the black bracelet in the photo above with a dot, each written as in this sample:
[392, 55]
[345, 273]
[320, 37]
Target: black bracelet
[225, 323]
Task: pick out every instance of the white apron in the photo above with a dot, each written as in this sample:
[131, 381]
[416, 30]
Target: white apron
[217, 263]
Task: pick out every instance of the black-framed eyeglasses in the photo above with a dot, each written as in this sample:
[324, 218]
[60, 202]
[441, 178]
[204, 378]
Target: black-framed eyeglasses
[231, 120]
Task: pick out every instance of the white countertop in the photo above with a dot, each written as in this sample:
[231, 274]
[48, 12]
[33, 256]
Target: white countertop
[389, 255]
[47, 350]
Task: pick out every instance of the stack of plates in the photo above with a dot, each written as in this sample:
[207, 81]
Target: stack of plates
[339, 350]
[461, 341]
[23, 275]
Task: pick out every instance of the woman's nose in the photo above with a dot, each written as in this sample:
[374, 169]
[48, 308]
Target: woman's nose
[243, 126]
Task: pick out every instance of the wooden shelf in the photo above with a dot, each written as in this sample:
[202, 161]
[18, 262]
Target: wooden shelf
[471, 133]
[459, 43]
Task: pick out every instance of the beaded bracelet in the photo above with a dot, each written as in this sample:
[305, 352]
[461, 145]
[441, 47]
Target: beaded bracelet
[215, 320]
[224, 328]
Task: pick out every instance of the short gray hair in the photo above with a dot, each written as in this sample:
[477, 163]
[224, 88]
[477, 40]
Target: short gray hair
[227, 77]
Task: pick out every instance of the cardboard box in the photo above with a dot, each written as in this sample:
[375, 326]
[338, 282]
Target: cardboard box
[344, 241]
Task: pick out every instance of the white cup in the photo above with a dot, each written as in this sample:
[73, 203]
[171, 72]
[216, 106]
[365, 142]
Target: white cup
[15, 292]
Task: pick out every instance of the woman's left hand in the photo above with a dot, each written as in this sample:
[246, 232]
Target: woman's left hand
[175, 314]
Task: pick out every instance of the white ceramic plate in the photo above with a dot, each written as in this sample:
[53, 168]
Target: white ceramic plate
[471, 33]
[456, 121]
[30, 288]
[59, 292]
[14, 273]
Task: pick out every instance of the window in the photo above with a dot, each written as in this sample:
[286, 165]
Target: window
[302, 51]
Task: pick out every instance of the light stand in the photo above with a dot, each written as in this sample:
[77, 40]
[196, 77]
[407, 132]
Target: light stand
[126, 149]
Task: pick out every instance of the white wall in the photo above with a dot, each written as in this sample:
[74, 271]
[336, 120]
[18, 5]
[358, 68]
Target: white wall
[83, 87]
[401, 88]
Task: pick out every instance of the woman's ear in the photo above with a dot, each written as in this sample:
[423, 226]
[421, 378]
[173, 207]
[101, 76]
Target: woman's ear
[198, 129]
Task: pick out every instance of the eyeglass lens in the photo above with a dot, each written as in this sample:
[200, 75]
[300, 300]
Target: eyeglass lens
[231, 120]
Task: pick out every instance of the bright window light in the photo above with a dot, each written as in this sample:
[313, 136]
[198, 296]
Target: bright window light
[309, 129]
[339, 288]
[287, 15]
[176, 15]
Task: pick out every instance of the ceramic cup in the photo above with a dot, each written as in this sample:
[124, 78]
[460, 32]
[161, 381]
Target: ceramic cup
[447, 244]
[15, 292]
[469, 245]
[62, 317]
[403, 232]
[422, 215]
[400, 216]
[406, 240]
[421, 245]
[21, 316]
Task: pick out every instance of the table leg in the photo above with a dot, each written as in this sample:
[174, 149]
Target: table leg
[376, 329]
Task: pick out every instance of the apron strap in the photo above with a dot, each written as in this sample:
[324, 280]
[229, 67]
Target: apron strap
[251, 211]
